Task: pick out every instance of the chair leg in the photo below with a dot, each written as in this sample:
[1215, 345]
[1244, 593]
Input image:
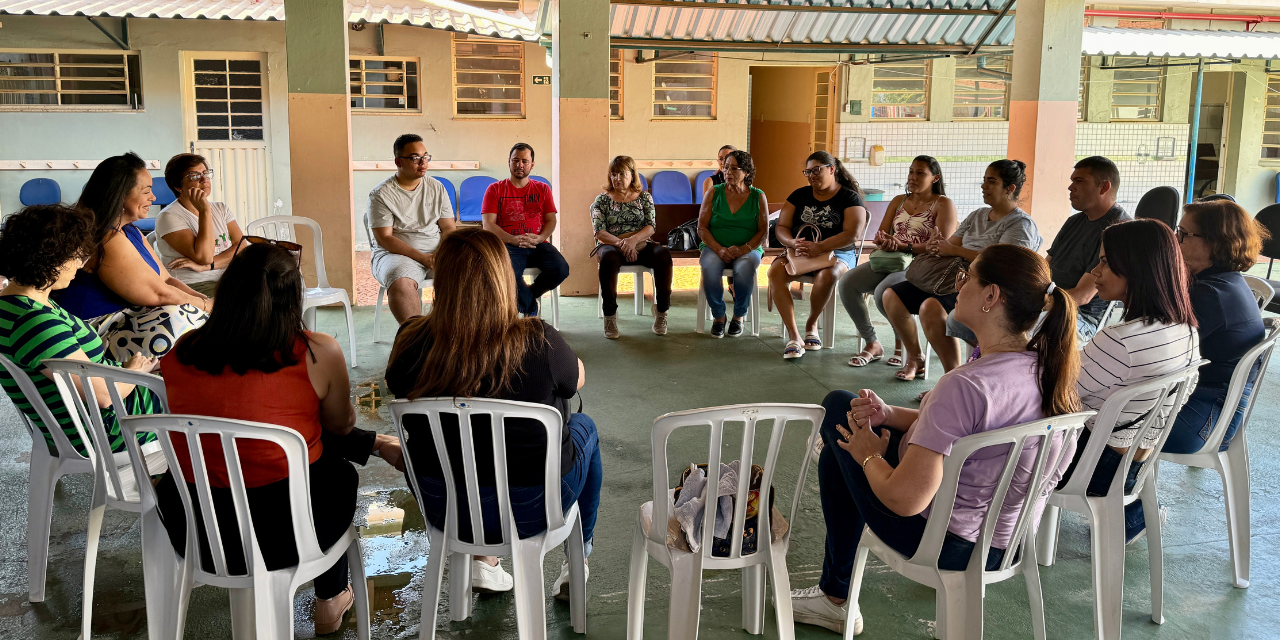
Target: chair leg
[1106, 541]
[459, 587]
[781, 581]
[1155, 549]
[555, 308]
[829, 321]
[43, 479]
[377, 315]
[243, 614]
[637, 581]
[273, 605]
[160, 575]
[351, 331]
[753, 599]
[577, 579]
[855, 590]
[1047, 536]
[686, 597]
[702, 310]
[755, 311]
[432, 577]
[1035, 594]
[1233, 467]
[309, 318]
[185, 581]
[530, 594]
[638, 279]
[952, 604]
[91, 557]
[359, 588]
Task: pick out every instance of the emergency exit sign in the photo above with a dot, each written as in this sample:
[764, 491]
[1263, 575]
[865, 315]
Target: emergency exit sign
[542, 79]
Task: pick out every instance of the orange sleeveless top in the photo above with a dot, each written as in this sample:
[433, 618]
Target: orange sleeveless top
[284, 398]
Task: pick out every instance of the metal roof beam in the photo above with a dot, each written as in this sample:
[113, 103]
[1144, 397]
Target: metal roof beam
[792, 47]
[743, 6]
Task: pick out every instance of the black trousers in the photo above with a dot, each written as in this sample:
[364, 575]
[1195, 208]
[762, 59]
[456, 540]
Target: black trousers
[653, 255]
[333, 505]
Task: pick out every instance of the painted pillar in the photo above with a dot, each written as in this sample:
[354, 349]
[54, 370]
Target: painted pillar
[1042, 106]
[320, 129]
[579, 129]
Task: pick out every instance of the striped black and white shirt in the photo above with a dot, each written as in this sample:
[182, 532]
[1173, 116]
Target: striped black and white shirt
[1129, 353]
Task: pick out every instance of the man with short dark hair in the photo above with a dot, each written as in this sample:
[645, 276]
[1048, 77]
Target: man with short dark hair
[522, 213]
[407, 217]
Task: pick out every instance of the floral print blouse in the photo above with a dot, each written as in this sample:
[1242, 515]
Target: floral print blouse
[618, 218]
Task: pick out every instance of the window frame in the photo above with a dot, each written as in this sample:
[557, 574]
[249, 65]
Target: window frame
[1160, 85]
[417, 80]
[1082, 107]
[453, 79]
[1005, 66]
[928, 77]
[715, 87]
[618, 56]
[131, 90]
[1271, 90]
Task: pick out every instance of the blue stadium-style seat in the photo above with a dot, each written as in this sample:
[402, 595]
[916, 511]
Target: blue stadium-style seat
[671, 187]
[541, 179]
[697, 185]
[164, 195]
[470, 197]
[644, 184]
[40, 191]
[453, 195]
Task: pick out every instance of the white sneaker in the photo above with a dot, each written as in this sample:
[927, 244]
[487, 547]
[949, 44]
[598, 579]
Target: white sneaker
[487, 579]
[561, 589]
[812, 606]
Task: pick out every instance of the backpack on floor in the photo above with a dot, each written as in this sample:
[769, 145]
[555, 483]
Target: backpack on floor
[684, 237]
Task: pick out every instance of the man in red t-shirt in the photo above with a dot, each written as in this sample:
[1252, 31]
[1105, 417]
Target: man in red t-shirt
[522, 213]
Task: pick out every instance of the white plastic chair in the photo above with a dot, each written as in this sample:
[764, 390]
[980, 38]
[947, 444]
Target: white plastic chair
[753, 314]
[261, 600]
[960, 594]
[1105, 515]
[637, 272]
[533, 272]
[686, 567]
[283, 228]
[527, 554]
[1232, 465]
[1262, 290]
[382, 289]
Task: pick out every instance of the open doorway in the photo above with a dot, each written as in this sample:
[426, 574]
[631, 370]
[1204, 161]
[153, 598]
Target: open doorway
[790, 118]
[1215, 97]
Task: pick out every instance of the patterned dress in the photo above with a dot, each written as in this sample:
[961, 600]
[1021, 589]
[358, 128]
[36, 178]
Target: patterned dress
[618, 218]
[915, 228]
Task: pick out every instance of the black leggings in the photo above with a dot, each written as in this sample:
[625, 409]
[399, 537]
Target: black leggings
[333, 504]
[653, 255]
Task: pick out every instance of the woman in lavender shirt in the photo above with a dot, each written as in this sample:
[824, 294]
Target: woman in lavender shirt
[882, 465]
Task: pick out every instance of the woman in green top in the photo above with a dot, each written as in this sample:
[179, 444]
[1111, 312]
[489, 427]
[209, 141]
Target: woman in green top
[41, 248]
[732, 224]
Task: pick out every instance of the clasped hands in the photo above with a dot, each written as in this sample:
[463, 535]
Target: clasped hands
[865, 411]
[527, 240]
[729, 254]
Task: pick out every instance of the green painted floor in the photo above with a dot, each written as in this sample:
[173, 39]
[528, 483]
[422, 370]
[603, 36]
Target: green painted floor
[630, 382]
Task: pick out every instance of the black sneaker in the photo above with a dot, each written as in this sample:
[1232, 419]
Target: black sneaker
[717, 328]
[735, 327]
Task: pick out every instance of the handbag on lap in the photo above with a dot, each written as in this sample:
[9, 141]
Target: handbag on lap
[799, 265]
[935, 274]
[890, 261]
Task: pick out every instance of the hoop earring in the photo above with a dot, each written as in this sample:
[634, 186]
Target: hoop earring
[986, 309]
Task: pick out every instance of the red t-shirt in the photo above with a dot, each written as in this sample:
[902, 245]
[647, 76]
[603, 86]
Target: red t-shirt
[519, 211]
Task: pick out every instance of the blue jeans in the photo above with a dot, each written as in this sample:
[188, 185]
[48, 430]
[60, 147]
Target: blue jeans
[848, 503]
[554, 270]
[1199, 414]
[744, 281]
[579, 484]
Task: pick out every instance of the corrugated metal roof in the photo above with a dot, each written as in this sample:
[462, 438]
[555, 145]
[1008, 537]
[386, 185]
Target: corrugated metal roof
[438, 14]
[1180, 43]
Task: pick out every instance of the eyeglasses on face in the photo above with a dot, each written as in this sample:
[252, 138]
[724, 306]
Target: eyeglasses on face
[197, 176]
[416, 159]
[283, 244]
[809, 173]
[1183, 234]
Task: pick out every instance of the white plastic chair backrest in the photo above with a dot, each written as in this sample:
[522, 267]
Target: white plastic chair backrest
[1058, 429]
[750, 416]
[1178, 384]
[1262, 290]
[1260, 353]
[282, 228]
[60, 440]
[228, 432]
[65, 370]
[465, 410]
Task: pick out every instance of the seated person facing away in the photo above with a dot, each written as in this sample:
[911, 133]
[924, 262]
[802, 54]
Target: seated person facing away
[1140, 266]
[123, 290]
[407, 215]
[1001, 222]
[522, 213]
[831, 204]
[196, 238]
[732, 224]
[624, 218]
[41, 247]
[281, 374]
[509, 358]
[882, 465]
[1219, 239]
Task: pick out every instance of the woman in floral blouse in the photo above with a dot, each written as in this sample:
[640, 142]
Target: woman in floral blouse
[624, 219]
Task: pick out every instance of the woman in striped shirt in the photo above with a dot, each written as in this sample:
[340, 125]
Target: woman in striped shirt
[1157, 337]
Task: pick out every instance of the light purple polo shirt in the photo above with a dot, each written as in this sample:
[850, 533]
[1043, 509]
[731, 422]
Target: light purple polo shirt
[997, 390]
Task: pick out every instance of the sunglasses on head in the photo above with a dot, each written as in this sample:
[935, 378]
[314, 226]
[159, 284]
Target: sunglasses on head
[283, 244]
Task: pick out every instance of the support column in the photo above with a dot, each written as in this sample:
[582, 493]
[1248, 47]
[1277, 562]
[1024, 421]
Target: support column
[579, 129]
[320, 130]
[1042, 106]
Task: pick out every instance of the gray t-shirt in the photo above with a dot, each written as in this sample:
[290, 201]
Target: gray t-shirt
[978, 232]
[412, 215]
[176, 217]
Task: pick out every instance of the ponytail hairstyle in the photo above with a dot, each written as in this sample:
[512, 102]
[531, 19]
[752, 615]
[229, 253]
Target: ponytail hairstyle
[939, 187]
[842, 174]
[1025, 282]
[1011, 172]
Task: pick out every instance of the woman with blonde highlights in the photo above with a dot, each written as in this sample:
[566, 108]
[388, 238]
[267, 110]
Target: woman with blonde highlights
[624, 219]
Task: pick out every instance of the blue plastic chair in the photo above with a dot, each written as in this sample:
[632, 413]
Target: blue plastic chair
[145, 225]
[697, 185]
[40, 191]
[164, 195]
[471, 196]
[1278, 187]
[644, 184]
[541, 179]
[671, 187]
[453, 195]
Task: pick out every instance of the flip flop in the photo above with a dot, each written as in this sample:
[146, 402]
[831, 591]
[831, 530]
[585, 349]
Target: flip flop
[918, 372]
[863, 359]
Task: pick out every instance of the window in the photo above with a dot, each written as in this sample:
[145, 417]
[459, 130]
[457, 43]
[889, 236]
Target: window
[488, 77]
[228, 99]
[384, 84]
[685, 87]
[615, 84]
[74, 81]
[900, 91]
[1271, 118]
[1082, 104]
[978, 95]
[1135, 93]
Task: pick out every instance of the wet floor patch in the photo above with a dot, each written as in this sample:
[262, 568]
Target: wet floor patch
[395, 547]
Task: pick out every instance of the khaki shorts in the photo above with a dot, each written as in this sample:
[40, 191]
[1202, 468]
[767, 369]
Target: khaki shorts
[388, 267]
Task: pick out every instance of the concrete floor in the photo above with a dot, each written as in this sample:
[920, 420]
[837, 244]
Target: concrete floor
[630, 382]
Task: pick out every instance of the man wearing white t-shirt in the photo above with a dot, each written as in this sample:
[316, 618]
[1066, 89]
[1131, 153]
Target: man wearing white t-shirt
[196, 238]
[407, 217]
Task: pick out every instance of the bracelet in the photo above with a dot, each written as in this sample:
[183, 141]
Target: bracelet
[868, 459]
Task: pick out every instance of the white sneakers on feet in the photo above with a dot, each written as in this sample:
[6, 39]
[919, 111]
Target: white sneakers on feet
[561, 589]
[812, 606]
[490, 579]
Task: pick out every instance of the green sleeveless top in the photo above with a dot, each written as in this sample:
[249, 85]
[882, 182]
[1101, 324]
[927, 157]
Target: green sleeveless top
[735, 228]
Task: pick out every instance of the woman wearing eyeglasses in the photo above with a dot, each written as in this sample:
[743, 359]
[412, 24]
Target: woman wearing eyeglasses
[197, 237]
[124, 291]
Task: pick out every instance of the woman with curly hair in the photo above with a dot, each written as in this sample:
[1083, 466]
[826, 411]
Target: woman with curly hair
[41, 248]
[732, 224]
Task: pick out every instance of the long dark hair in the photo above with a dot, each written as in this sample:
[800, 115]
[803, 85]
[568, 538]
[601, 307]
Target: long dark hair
[105, 192]
[744, 163]
[1011, 172]
[1146, 254]
[1024, 279]
[843, 176]
[256, 320]
[939, 187]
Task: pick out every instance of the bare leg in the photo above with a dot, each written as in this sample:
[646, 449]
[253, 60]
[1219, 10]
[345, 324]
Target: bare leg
[404, 299]
[779, 281]
[903, 324]
[823, 282]
[933, 318]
